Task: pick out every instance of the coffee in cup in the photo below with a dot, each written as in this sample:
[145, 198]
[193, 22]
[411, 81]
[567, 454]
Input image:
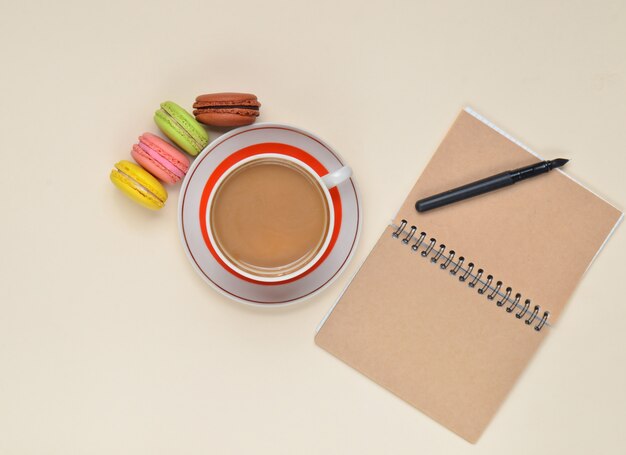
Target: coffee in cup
[271, 216]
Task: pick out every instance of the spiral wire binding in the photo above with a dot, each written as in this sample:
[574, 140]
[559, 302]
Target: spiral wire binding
[466, 273]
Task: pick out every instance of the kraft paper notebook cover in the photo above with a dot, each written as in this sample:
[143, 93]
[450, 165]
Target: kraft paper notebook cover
[448, 335]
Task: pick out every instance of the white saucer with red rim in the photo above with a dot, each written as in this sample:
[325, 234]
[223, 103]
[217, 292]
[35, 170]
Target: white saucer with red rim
[240, 144]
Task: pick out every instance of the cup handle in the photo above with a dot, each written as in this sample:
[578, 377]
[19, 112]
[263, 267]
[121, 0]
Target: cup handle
[333, 179]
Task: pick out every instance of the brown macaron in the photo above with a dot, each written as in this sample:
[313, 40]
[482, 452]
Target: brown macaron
[226, 109]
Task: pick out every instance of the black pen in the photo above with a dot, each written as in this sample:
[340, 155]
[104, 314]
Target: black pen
[488, 184]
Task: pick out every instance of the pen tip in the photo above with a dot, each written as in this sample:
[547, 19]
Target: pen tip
[558, 162]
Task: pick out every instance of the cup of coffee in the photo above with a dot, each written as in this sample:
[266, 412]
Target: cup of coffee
[271, 216]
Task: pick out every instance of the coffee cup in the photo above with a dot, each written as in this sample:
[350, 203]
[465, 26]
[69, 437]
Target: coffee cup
[271, 216]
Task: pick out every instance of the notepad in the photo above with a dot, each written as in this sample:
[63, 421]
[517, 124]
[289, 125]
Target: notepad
[450, 305]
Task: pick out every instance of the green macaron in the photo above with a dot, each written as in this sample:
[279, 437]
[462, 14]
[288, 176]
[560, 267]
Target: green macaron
[180, 126]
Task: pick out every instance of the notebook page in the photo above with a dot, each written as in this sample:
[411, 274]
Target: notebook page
[409, 326]
[538, 236]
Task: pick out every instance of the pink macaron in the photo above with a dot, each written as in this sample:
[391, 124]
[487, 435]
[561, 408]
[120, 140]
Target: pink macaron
[160, 158]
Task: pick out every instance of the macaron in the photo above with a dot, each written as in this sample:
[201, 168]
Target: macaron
[226, 109]
[139, 185]
[180, 126]
[160, 158]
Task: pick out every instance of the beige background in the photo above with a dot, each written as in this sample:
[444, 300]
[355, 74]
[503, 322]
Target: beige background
[110, 343]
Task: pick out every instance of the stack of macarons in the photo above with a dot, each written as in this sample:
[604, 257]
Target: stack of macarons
[161, 162]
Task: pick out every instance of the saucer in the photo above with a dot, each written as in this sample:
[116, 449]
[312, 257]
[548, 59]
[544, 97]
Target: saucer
[268, 136]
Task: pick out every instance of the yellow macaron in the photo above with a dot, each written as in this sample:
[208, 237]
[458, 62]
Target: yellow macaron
[139, 185]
